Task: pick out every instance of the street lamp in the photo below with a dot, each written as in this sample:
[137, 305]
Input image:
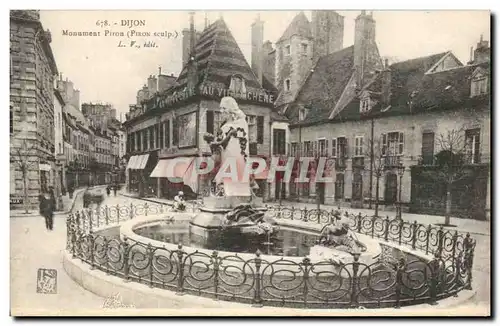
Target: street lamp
[401, 171]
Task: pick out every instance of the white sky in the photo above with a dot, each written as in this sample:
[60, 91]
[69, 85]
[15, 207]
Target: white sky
[104, 72]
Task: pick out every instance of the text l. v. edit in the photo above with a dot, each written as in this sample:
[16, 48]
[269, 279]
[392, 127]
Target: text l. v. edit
[134, 44]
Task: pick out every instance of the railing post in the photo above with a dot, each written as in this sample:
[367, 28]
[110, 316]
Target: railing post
[386, 228]
[257, 300]
[354, 281]
[106, 210]
[400, 268]
[414, 235]
[373, 225]
[304, 216]
[434, 267]
[73, 240]
[126, 253]
[293, 212]
[427, 235]
[318, 217]
[98, 216]
[456, 269]
[454, 248]
[332, 216]
[440, 241]
[151, 254]
[92, 241]
[131, 211]
[400, 233]
[360, 218]
[307, 263]
[180, 280]
[469, 259]
[146, 209]
[215, 260]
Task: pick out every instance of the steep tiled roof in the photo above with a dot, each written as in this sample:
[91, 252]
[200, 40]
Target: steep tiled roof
[406, 76]
[218, 57]
[324, 86]
[299, 26]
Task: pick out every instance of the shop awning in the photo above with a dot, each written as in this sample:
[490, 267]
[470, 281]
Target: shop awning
[131, 162]
[142, 161]
[180, 169]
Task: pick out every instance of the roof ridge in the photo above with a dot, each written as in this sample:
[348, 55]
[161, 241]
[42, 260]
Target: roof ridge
[421, 57]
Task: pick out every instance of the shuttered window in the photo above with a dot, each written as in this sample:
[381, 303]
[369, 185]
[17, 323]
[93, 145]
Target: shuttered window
[161, 137]
[427, 148]
[260, 129]
[279, 142]
[210, 122]
[175, 132]
[167, 134]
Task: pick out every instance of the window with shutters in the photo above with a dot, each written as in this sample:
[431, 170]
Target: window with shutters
[279, 142]
[427, 148]
[472, 145]
[144, 140]
[252, 128]
[364, 105]
[334, 147]
[157, 136]
[175, 132]
[323, 147]
[161, 136]
[393, 144]
[167, 134]
[342, 147]
[294, 149]
[358, 146]
[210, 122]
[308, 150]
[151, 138]
[260, 129]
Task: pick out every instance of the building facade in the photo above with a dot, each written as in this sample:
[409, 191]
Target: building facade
[32, 73]
[172, 124]
[382, 129]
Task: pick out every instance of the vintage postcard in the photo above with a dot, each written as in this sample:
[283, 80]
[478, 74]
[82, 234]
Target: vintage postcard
[250, 163]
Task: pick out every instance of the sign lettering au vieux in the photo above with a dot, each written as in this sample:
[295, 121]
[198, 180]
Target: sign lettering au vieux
[217, 92]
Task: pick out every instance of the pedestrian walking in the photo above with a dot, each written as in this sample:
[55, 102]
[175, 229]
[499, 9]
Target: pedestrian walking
[108, 190]
[45, 210]
[115, 188]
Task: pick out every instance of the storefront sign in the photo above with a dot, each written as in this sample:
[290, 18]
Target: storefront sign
[160, 102]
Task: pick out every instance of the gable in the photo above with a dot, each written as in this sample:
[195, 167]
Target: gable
[449, 61]
[479, 73]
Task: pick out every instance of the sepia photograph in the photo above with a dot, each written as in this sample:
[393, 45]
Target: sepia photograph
[250, 163]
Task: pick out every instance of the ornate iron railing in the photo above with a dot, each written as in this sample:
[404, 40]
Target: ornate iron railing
[393, 281]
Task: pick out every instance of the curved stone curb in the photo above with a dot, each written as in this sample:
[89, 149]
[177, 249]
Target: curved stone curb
[144, 297]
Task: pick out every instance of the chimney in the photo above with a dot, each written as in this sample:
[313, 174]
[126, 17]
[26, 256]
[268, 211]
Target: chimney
[257, 49]
[482, 52]
[185, 46]
[206, 20]
[386, 84]
[364, 38]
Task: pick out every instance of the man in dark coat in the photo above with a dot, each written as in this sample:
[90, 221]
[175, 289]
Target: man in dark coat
[46, 211]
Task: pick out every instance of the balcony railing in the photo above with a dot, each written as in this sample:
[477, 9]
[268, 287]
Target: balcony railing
[460, 159]
[358, 162]
[392, 161]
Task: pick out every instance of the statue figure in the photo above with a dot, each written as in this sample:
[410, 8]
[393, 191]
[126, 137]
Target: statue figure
[338, 236]
[231, 146]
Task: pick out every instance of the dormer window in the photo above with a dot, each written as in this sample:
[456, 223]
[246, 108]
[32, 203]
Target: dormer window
[288, 50]
[302, 114]
[479, 85]
[237, 85]
[287, 85]
[365, 105]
